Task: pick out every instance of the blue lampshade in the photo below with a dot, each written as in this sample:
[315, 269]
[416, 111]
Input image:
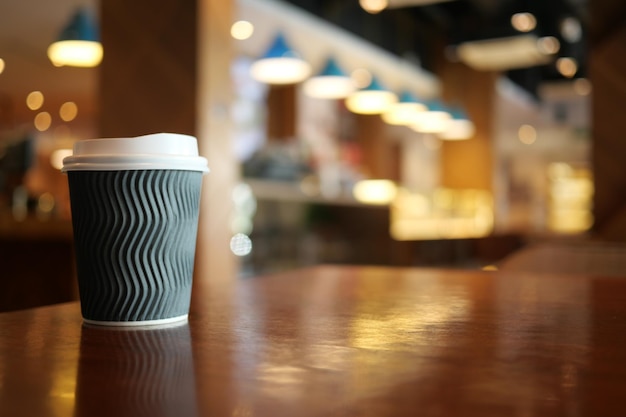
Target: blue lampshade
[280, 64]
[406, 111]
[78, 44]
[458, 113]
[81, 27]
[373, 99]
[435, 105]
[332, 69]
[331, 82]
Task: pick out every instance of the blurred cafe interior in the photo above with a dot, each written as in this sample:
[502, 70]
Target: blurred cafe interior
[439, 133]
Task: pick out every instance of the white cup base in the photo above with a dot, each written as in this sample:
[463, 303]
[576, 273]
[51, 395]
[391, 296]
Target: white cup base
[144, 323]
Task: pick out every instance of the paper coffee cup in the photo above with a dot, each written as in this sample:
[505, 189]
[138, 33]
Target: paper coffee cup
[135, 204]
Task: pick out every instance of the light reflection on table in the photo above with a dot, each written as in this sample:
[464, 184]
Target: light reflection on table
[336, 341]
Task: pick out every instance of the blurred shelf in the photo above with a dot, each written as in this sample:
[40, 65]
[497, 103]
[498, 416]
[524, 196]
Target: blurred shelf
[32, 228]
[292, 192]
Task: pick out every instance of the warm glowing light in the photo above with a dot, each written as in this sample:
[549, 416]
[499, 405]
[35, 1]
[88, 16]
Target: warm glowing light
[374, 191]
[444, 214]
[458, 129]
[502, 54]
[240, 244]
[280, 64]
[241, 30]
[548, 45]
[329, 87]
[405, 112]
[432, 122]
[285, 70]
[567, 66]
[34, 100]
[571, 198]
[56, 157]
[2, 65]
[330, 83]
[370, 101]
[76, 53]
[582, 87]
[527, 134]
[373, 6]
[68, 111]
[524, 22]
[43, 121]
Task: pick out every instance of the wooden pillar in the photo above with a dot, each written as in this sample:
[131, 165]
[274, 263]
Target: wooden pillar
[148, 73]
[215, 261]
[166, 68]
[607, 66]
[381, 158]
[281, 119]
[469, 163]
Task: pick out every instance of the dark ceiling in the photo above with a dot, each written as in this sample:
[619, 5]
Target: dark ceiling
[421, 33]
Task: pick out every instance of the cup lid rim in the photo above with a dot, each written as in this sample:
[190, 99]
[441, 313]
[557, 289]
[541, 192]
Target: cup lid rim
[152, 151]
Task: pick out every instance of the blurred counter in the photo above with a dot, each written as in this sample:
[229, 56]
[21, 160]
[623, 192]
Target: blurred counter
[36, 262]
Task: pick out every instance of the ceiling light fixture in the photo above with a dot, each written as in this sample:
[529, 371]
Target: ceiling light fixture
[434, 120]
[331, 83]
[373, 99]
[502, 54]
[78, 45]
[280, 64]
[406, 111]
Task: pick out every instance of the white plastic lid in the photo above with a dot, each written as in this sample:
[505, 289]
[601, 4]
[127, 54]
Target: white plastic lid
[155, 151]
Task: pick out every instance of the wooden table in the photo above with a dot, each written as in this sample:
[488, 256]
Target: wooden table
[336, 341]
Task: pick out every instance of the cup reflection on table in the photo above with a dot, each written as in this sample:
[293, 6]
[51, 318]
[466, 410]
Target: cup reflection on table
[136, 371]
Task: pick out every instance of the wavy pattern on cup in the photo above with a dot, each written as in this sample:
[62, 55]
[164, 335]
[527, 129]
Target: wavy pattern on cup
[135, 236]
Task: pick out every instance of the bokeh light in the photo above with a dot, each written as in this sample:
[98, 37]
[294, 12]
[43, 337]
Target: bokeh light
[241, 30]
[34, 100]
[527, 134]
[43, 121]
[524, 22]
[68, 111]
[373, 6]
[240, 244]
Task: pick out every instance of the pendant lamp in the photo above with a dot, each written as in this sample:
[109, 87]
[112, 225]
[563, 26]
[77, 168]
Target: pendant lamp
[280, 64]
[459, 127]
[434, 120]
[331, 83]
[78, 45]
[406, 111]
[373, 99]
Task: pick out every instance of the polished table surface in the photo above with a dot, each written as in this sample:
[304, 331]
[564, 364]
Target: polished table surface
[336, 341]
